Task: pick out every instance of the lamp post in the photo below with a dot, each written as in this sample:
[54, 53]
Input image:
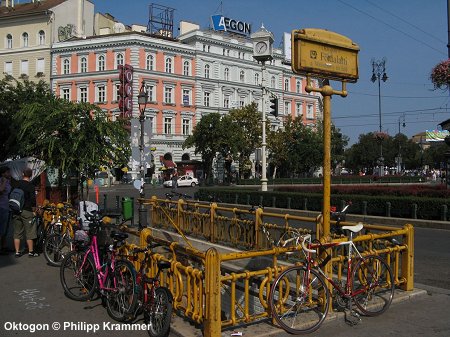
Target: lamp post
[142, 102]
[379, 73]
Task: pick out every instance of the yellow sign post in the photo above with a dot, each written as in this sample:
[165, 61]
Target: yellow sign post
[331, 56]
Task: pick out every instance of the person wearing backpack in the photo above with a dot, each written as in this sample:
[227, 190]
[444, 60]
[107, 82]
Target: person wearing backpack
[23, 226]
[5, 217]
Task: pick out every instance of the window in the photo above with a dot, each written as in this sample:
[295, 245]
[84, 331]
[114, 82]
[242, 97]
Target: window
[256, 79]
[119, 60]
[66, 66]
[25, 39]
[241, 104]
[286, 84]
[101, 94]
[168, 65]
[83, 94]
[151, 92]
[41, 37]
[149, 62]
[287, 108]
[65, 94]
[310, 112]
[83, 64]
[40, 65]
[206, 97]
[299, 86]
[24, 67]
[226, 102]
[9, 41]
[272, 82]
[242, 76]
[168, 125]
[168, 93]
[101, 63]
[8, 68]
[207, 67]
[117, 92]
[186, 68]
[206, 48]
[298, 109]
[226, 74]
[186, 97]
[186, 127]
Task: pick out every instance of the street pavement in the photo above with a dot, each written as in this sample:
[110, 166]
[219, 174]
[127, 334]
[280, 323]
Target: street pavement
[32, 299]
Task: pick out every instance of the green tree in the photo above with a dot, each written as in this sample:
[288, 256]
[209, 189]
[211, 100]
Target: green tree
[13, 95]
[73, 137]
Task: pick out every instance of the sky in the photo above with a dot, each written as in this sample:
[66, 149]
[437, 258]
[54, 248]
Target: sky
[410, 34]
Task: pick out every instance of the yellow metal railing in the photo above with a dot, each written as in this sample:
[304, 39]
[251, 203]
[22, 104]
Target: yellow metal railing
[221, 289]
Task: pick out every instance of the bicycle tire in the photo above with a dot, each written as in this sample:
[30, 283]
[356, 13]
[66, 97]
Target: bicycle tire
[296, 309]
[79, 280]
[41, 233]
[56, 247]
[373, 284]
[122, 299]
[158, 313]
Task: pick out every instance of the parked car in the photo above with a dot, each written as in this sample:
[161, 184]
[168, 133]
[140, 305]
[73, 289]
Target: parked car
[183, 181]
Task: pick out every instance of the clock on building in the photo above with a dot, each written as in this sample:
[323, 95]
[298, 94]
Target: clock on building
[262, 45]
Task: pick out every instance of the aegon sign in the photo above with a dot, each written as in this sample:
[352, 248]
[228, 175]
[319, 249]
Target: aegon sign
[230, 25]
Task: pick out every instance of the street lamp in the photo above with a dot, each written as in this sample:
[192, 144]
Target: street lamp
[142, 102]
[379, 73]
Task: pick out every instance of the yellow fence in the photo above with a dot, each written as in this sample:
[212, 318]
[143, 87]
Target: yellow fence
[219, 287]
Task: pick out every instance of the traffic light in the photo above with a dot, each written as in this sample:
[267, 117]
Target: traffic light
[274, 106]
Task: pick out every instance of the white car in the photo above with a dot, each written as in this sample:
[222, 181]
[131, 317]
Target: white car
[183, 181]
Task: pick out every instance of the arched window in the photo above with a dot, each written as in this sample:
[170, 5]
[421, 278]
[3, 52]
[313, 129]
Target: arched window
[272, 82]
[9, 41]
[66, 66]
[226, 74]
[101, 63]
[207, 67]
[119, 60]
[256, 79]
[25, 39]
[149, 63]
[83, 64]
[41, 37]
[286, 84]
[242, 76]
[299, 86]
[186, 68]
[168, 65]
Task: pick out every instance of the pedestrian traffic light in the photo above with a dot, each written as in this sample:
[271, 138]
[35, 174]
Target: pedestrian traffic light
[274, 106]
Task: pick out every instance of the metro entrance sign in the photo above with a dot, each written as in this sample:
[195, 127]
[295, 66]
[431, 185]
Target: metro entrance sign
[324, 54]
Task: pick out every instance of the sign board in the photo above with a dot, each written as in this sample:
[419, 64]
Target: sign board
[436, 135]
[222, 23]
[324, 54]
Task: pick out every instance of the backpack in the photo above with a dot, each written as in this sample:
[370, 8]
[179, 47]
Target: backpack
[16, 200]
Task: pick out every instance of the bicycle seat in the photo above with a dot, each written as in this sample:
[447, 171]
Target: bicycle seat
[163, 265]
[354, 229]
[119, 236]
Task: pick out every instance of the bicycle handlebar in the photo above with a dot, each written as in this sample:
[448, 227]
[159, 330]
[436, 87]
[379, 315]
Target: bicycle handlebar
[306, 249]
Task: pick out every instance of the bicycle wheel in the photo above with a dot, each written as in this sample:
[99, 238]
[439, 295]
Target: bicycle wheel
[78, 278]
[56, 246]
[299, 300]
[121, 297]
[40, 231]
[373, 285]
[158, 313]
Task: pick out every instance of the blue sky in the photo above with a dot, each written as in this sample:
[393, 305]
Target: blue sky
[411, 35]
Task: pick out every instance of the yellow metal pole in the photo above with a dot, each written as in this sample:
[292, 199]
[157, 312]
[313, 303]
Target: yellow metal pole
[327, 91]
[408, 259]
[213, 323]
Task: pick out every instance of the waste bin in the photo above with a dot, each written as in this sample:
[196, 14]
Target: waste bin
[127, 208]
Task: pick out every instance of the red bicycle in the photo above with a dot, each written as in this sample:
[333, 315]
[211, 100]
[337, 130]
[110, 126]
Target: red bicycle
[299, 298]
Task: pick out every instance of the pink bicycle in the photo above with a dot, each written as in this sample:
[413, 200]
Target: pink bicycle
[84, 271]
[299, 298]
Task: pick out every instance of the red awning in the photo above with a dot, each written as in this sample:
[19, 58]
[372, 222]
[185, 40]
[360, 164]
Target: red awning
[169, 164]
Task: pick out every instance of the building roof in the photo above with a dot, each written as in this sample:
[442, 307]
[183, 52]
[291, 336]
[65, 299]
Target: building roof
[28, 8]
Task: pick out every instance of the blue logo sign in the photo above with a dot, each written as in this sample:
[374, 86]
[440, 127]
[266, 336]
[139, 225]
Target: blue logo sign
[221, 23]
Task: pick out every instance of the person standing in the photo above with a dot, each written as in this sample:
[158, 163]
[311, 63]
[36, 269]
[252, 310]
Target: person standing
[23, 226]
[5, 217]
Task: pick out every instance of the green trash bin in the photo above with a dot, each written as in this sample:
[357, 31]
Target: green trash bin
[127, 208]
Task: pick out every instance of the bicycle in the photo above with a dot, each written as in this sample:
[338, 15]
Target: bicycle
[153, 300]
[83, 272]
[299, 298]
[60, 243]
